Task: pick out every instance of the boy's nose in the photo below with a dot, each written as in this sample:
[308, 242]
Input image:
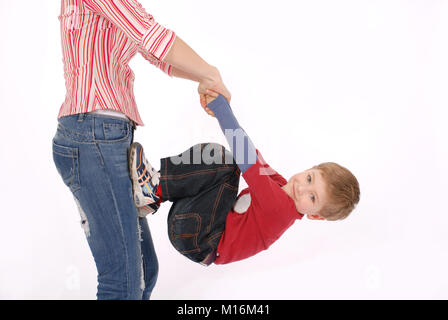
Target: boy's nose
[302, 189]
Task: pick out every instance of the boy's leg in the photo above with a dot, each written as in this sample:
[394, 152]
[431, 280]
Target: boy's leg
[196, 223]
[199, 168]
[178, 177]
[202, 183]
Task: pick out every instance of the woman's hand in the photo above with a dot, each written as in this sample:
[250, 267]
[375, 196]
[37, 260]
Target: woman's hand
[210, 87]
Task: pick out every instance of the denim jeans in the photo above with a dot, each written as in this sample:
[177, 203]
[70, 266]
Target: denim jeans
[91, 155]
[202, 183]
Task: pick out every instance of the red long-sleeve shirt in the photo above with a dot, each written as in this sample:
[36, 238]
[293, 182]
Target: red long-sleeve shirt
[270, 213]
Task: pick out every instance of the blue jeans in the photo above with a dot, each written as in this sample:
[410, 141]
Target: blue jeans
[203, 188]
[91, 155]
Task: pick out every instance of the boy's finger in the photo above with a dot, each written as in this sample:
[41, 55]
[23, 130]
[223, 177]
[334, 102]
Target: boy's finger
[203, 101]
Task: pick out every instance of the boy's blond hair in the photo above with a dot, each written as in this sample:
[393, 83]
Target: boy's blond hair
[342, 189]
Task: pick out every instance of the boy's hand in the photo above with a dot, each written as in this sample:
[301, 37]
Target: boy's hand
[206, 98]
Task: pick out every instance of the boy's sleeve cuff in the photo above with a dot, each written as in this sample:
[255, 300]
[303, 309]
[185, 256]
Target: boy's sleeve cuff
[218, 104]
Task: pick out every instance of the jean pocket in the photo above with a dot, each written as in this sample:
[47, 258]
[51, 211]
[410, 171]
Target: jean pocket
[67, 164]
[115, 131]
[184, 232]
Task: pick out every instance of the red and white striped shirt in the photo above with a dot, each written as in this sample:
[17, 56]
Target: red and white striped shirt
[99, 38]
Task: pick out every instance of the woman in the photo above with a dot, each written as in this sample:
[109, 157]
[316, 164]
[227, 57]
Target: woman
[96, 126]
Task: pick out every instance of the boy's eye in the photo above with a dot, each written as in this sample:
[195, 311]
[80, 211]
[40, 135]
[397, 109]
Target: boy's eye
[313, 198]
[308, 178]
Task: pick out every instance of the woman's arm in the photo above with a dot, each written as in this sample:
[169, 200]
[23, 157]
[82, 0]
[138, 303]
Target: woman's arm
[161, 46]
[175, 72]
[187, 64]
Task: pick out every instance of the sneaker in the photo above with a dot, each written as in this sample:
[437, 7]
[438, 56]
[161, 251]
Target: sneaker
[145, 180]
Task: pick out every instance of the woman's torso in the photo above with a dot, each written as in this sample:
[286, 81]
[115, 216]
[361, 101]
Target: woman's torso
[98, 40]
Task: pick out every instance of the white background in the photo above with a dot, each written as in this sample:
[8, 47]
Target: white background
[362, 83]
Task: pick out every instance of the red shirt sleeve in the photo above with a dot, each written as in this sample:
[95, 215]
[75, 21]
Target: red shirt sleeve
[267, 170]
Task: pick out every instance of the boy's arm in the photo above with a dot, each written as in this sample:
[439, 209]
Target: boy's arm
[241, 145]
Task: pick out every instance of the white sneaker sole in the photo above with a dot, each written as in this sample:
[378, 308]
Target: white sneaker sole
[139, 198]
[144, 211]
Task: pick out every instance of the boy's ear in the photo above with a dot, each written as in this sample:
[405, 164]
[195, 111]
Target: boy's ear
[315, 217]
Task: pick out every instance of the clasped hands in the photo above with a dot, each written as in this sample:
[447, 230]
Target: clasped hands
[210, 88]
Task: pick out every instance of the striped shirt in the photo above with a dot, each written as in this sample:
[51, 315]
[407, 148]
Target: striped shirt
[99, 38]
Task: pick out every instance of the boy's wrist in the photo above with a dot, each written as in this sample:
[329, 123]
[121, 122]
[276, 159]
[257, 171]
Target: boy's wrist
[209, 99]
[216, 103]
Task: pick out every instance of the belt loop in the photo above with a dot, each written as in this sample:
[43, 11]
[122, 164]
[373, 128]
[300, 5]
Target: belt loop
[81, 117]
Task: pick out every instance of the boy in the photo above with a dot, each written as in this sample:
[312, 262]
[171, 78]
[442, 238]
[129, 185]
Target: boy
[208, 221]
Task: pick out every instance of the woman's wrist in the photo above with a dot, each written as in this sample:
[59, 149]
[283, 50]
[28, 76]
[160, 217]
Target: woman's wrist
[208, 74]
[211, 74]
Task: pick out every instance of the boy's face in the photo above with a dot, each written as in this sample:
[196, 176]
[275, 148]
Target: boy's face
[308, 190]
